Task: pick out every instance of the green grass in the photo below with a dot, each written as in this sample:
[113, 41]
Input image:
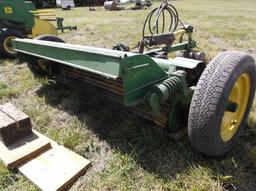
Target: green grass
[128, 153]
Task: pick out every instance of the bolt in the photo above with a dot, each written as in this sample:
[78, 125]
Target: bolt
[233, 124]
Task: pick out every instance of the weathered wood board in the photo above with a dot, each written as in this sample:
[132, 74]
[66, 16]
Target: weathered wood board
[56, 169]
[23, 150]
[14, 124]
[21, 118]
[7, 126]
[48, 165]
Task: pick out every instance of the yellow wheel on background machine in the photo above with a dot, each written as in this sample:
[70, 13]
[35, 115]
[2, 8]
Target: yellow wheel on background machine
[8, 44]
[221, 103]
[6, 37]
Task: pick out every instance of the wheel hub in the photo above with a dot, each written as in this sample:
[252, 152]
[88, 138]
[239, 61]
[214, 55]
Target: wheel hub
[240, 95]
[8, 44]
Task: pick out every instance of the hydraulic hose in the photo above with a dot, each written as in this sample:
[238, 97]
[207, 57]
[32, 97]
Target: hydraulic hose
[162, 11]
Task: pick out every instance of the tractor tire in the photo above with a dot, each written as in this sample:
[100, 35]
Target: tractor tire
[35, 66]
[6, 35]
[51, 38]
[36, 69]
[221, 103]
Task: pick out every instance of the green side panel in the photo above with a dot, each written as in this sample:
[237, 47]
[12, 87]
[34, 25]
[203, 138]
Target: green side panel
[177, 62]
[95, 60]
[30, 6]
[17, 12]
[139, 73]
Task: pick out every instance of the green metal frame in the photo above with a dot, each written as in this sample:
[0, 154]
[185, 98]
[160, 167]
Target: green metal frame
[61, 27]
[17, 14]
[147, 80]
[181, 46]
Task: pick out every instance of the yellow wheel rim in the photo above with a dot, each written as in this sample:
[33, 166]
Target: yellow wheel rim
[8, 44]
[240, 95]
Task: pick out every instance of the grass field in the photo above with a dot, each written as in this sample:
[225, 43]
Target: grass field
[128, 153]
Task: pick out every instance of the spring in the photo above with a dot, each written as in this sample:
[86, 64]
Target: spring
[172, 84]
[161, 10]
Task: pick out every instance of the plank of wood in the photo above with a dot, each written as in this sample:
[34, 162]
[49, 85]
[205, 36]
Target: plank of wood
[7, 129]
[53, 143]
[20, 128]
[20, 117]
[23, 150]
[56, 169]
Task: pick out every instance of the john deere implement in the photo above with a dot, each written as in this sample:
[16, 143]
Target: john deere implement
[214, 99]
[20, 19]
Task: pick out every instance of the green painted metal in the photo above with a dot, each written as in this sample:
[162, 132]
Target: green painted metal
[187, 45]
[181, 46]
[167, 89]
[139, 72]
[177, 62]
[16, 13]
[61, 27]
[147, 80]
[98, 60]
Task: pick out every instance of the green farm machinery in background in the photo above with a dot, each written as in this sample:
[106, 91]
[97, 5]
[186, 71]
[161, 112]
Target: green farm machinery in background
[213, 100]
[20, 19]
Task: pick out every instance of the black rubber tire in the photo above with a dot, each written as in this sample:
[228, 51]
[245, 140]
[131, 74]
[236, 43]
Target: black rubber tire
[51, 38]
[68, 8]
[4, 34]
[33, 65]
[36, 69]
[210, 99]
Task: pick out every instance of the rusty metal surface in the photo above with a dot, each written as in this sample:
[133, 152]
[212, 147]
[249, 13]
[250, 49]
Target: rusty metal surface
[113, 89]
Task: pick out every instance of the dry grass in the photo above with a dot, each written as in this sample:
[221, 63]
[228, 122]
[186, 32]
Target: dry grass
[128, 153]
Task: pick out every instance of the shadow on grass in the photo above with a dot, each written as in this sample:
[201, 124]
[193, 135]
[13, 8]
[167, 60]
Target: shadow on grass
[152, 148]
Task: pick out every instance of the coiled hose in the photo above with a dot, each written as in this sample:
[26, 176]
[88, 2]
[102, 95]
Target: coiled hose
[163, 9]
